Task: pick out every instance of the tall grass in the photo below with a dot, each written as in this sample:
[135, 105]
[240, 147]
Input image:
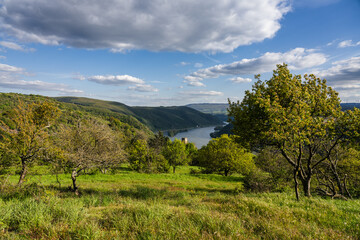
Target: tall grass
[130, 205]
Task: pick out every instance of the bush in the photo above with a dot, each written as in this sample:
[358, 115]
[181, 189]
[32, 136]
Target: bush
[145, 159]
[258, 181]
[224, 156]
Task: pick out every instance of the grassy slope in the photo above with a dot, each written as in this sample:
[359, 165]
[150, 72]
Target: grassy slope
[129, 205]
[157, 118]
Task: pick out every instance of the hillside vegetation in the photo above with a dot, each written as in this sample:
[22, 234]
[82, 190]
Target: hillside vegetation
[156, 118]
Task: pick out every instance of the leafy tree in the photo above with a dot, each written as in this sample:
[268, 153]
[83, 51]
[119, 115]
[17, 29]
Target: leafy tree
[191, 152]
[223, 155]
[295, 115]
[175, 153]
[27, 138]
[158, 142]
[88, 144]
[146, 159]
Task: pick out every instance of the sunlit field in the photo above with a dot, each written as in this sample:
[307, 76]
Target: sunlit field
[129, 205]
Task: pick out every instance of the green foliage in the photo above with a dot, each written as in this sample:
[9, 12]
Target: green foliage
[175, 153]
[301, 117]
[27, 139]
[145, 159]
[223, 155]
[349, 166]
[191, 152]
[271, 161]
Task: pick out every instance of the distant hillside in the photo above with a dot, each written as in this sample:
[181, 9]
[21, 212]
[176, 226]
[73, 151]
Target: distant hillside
[211, 108]
[218, 110]
[156, 118]
[349, 106]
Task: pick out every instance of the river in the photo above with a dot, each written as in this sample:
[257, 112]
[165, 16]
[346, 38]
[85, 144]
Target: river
[198, 136]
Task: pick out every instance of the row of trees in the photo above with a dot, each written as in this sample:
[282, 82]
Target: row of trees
[74, 142]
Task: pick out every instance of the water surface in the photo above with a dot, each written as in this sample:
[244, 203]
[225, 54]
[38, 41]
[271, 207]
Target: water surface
[198, 136]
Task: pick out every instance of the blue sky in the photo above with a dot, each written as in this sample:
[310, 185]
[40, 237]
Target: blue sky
[177, 52]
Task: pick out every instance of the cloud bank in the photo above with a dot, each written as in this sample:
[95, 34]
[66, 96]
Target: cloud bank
[157, 25]
[298, 58]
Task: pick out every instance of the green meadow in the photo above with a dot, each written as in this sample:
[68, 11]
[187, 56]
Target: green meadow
[129, 205]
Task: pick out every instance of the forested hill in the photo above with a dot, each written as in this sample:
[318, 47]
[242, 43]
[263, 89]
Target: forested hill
[211, 108]
[218, 110]
[156, 118]
[349, 106]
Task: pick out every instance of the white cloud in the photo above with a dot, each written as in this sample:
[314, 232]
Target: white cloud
[348, 43]
[78, 76]
[36, 85]
[157, 25]
[10, 77]
[14, 46]
[201, 93]
[2, 57]
[184, 63]
[143, 88]
[240, 80]
[8, 68]
[344, 76]
[195, 84]
[115, 80]
[344, 70]
[194, 81]
[298, 58]
[198, 65]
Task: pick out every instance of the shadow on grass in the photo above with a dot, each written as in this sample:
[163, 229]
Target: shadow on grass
[219, 178]
[138, 192]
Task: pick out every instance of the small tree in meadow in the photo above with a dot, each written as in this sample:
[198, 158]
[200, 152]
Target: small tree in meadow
[88, 144]
[175, 153]
[146, 159]
[28, 139]
[223, 155]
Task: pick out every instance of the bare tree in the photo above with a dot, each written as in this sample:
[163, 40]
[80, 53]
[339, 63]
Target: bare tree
[89, 144]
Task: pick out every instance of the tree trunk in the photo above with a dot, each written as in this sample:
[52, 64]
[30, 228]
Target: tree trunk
[306, 186]
[174, 169]
[73, 178]
[23, 172]
[296, 185]
[226, 172]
